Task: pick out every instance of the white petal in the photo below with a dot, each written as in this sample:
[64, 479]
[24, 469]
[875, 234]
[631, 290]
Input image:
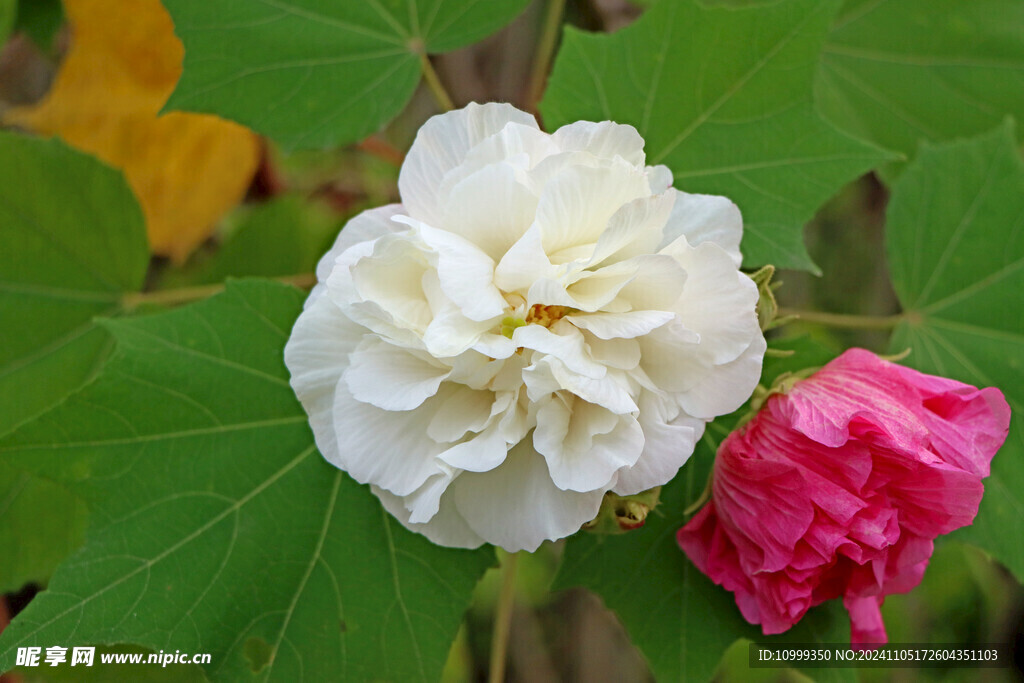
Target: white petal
[718, 302]
[727, 386]
[621, 325]
[526, 142]
[462, 410]
[553, 420]
[316, 355]
[524, 263]
[517, 420]
[636, 228]
[494, 346]
[585, 444]
[364, 228]
[552, 292]
[576, 205]
[598, 289]
[670, 355]
[517, 506]
[481, 453]
[387, 448]
[441, 144]
[619, 353]
[605, 140]
[510, 377]
[380, 322]
[706, 218]
[446, 528]
[391, 377]
[466, 273]
[424, 502]
[566, 345]
[476, 370]
[392, 278]
[517, 146]
[590, 290]
[450, 333]
[610, 391]
[658, 284]
[660, 178]
[491, 209]
[540, 383]
[668, 444]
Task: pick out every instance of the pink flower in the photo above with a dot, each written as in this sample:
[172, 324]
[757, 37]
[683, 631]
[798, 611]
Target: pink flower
[839, 487]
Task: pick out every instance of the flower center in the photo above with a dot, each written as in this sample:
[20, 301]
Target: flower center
[547, 316]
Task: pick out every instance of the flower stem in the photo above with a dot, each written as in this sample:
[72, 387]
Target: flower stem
[545, 50]
[182, 295]
[441, 95]
[503, 617]
[843, 320]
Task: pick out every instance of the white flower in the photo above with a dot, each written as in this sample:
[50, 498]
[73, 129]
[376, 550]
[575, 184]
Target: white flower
[543, 319]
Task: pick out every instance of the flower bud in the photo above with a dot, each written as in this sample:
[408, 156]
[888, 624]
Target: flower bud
[619, 514]
[839, 485]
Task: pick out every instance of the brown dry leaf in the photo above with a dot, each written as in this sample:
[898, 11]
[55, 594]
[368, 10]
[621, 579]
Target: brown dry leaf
[124, 61]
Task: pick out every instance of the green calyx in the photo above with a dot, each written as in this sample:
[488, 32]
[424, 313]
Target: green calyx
[767, 307]
[619, 514]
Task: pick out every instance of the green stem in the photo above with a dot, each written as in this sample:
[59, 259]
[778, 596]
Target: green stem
[503, 618]
[182, 295]
[843, 320]
[545, 51]
[441, 96]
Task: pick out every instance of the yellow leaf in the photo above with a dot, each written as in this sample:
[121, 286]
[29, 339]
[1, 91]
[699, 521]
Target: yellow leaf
[124, 61]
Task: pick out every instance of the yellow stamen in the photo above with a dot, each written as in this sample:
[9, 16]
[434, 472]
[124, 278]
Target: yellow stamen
[547, 316]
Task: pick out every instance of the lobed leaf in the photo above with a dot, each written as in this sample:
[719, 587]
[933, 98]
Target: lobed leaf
[678, 618]
[723, 96]
[318, 73]
[72, 243]
[217, 527]
[901, 72]
[41, 523]
[955, 244]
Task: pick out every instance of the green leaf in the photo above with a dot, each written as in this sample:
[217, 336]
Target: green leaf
[955, 244]
[8, 12]
[681, 621]
[72, 242]
[901, 71]
[723, 97]
[216, 525]
[318, 73]
[283, 237]
[678, 618]
[40, 19]
[41, 523]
